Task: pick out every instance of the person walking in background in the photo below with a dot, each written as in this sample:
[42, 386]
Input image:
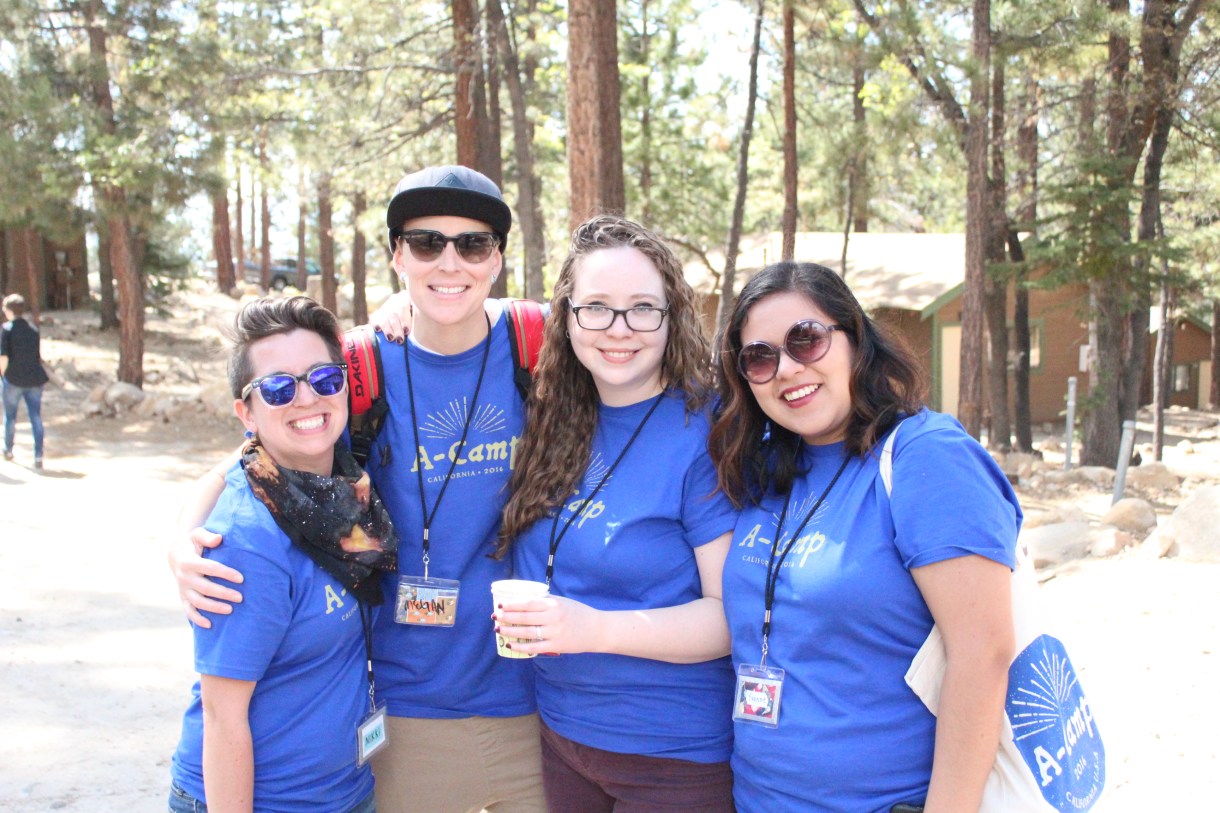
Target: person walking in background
[613, 504]
[24, 376]
[832, 586]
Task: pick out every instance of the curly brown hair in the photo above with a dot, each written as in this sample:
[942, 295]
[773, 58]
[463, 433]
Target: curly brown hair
[753, 454]
[563, 406]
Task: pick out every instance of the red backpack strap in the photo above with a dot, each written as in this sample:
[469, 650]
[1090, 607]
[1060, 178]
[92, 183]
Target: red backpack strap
[365, 397]
[526, 319]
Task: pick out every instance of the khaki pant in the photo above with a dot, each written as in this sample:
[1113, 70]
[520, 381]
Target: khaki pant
[460, 766]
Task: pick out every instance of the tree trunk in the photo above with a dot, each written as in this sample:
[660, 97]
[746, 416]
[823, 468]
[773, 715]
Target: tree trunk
[222, 241]
[728, 281]
[595, 143]
[360, 307]
[114, 198]
[970, 393]
[491, 161]
[264, 172]
[326, 243]
[645, 182]
[1027, 213]
[465, 109]
[860, 167]
[1162, 369]
[529, 209]
[995, 289]
[302, 197]
[1213, 395]
[105, 271]
[239, 235]
[32, 277]
[790, 167]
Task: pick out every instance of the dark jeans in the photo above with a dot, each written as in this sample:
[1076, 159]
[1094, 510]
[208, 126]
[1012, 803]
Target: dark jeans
[580, 779]
[182, 802]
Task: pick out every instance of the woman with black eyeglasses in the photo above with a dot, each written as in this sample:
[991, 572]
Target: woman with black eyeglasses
[284, 688]
[613, 506]
[835, 576]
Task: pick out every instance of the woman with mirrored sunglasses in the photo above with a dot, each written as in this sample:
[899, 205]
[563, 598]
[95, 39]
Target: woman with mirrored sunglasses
[462, 721]
[283, 683]
[834, 581]
[613, 506]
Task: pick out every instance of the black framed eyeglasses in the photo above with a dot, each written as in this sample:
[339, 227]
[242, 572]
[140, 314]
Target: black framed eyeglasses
[641, 318]
[426, 245]
[280, 389]
[805, 342]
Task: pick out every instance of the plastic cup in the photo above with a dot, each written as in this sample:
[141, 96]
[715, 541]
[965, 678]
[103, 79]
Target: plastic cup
[512, 591]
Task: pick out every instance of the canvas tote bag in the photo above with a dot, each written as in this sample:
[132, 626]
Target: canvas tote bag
[1051, 756]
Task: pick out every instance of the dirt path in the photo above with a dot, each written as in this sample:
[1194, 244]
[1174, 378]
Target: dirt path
[95, 655]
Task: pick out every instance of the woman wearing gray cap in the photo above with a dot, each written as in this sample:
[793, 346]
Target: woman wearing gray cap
[463, 732]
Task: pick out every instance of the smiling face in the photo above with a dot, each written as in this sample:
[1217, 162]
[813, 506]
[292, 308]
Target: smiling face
[625, 364]
[447, 293]
[301, 435]
[813, 400]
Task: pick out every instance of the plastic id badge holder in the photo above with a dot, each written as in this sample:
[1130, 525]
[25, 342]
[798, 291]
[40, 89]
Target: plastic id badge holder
[371, 735]
[427, 602]
[759, 691]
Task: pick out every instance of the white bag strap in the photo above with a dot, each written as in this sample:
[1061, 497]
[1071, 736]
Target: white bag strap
[887, 461]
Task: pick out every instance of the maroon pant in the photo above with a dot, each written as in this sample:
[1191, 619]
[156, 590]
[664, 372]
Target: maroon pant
[580, 779]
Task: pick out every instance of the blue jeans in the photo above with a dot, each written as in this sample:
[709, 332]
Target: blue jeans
[182, 802]
[13, 396]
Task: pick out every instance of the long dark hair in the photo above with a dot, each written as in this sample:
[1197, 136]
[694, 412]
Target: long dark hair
[562, 409]
[752, 454]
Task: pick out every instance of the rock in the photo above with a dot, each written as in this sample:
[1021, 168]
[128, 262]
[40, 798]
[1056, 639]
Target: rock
[1055, 515]
[122, 396]
[1152, 475]
[1106, 540]
[217, 397]
[1131, 514]
[1194, 526]
[1019, 464]
[1186, 447]
[1057, 543]
[1097, 475]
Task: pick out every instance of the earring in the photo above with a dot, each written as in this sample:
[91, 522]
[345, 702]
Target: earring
[250, 434]
[494, 277]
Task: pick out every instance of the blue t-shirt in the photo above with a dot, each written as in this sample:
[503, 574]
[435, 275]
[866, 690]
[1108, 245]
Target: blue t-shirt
[632, 548]
[848, 618]
[448, 672]
[297, 633]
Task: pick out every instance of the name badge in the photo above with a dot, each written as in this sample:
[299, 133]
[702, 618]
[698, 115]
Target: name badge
[427, 602]
[371, 735]
[759, 691]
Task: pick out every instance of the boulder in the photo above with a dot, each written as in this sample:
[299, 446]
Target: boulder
[1152, 475]
[1106, 540]
[1193, 529]
[217, 397]
[1057, 543]
[1131, 514]
[1055, 515]
[1097, 475]
[121, 396]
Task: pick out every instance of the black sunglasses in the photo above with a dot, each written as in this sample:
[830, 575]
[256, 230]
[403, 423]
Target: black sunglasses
[472, 246]
[280, 389]
[805, 342]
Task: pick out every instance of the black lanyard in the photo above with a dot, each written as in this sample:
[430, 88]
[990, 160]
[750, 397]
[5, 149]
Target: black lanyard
[419, 470]
[368, 648]
[773, 566]
[550, 562]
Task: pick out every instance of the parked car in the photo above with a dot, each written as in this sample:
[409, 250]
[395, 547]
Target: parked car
[283, 271]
